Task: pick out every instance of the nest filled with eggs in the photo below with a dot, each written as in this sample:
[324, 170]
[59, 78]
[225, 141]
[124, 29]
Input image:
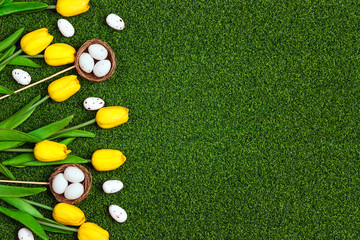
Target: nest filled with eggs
[68, 185]
[83, 61]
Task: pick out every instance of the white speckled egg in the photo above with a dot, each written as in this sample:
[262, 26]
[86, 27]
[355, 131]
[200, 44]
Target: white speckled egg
[115, 22]
[74, 191]
[65, 27]
[21, 76]
[102, 68]
[25, 234]
[59, 184]
[112, 186]
[93, 103]
[118, 213]
[86, 62]
[74, 175]
[98, 51]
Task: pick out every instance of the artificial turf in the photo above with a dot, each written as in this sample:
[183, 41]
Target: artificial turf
[244, 118]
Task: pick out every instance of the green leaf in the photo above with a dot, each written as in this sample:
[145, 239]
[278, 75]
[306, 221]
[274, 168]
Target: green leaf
[3, 2]
[20, 116]
[67, 141]
[23, 206]
[73, 133]
[42, 133]
[19, 159]
[68, 159]
[55, 230]
[25, 219]
[11, 191]
[21, 7]
[8, 53]
[21, 61]
[6, 172]
[14, 135]
[4, 90]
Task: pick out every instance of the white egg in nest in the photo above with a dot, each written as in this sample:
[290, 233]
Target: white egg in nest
[74, 191]
[74, 174]
[98, 51]
[59, 184]
[86, 62]
[102, 68]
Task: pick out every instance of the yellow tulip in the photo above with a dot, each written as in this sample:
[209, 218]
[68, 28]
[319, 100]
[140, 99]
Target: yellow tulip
[68, 214]
[36, 41]
[69, 8]
[109, 117]
[91, 231]
[107, 159]
[49, 151]
[63, 88]
[58, 54]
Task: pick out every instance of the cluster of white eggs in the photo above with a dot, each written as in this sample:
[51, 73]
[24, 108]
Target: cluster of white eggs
[95, 60]
[69, 183]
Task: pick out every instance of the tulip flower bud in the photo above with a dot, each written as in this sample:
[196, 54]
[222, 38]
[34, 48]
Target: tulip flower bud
[49, 151]
[109, 117]
[91, 231]
[36, 41]
[69, 8]
[63, 88]
[68, 214]
[58, 54]
[107, 159]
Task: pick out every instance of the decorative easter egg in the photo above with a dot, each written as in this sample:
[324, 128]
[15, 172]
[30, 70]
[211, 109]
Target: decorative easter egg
[115, 22]
[25, 234]
[102, 68]
[74, 175]
[98, 51]
[112, 186]
[21, 76]
[86, 62]
[74, 191]
[65, 27]
[59, 184]
[93, 103]
[118, 213]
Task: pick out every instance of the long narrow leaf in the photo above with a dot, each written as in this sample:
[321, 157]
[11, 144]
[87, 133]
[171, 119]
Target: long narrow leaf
[8, 53]
[11, 191]
[11, 40]
[68, 159]
[25, 219]
[6, 172]
[14, 135]
[3, 2]
[4, 90]
[17, 118]
[19, 159]
[23, 206]
[21, 7]
[55, 230]
[21, 61]
[42, 133]
[67, 141]
[73, 133]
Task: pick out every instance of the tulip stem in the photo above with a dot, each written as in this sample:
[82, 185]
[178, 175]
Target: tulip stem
[38, 103]
[57, 226]
[51, 7]
[35, 56]
[38, 204]
[77, 126]
[11, 57]
[19, 150]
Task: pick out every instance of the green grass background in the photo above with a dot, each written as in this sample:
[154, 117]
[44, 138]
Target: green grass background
[244, 118]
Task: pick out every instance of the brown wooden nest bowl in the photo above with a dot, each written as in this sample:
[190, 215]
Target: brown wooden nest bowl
[91, 76]
[86, 183]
